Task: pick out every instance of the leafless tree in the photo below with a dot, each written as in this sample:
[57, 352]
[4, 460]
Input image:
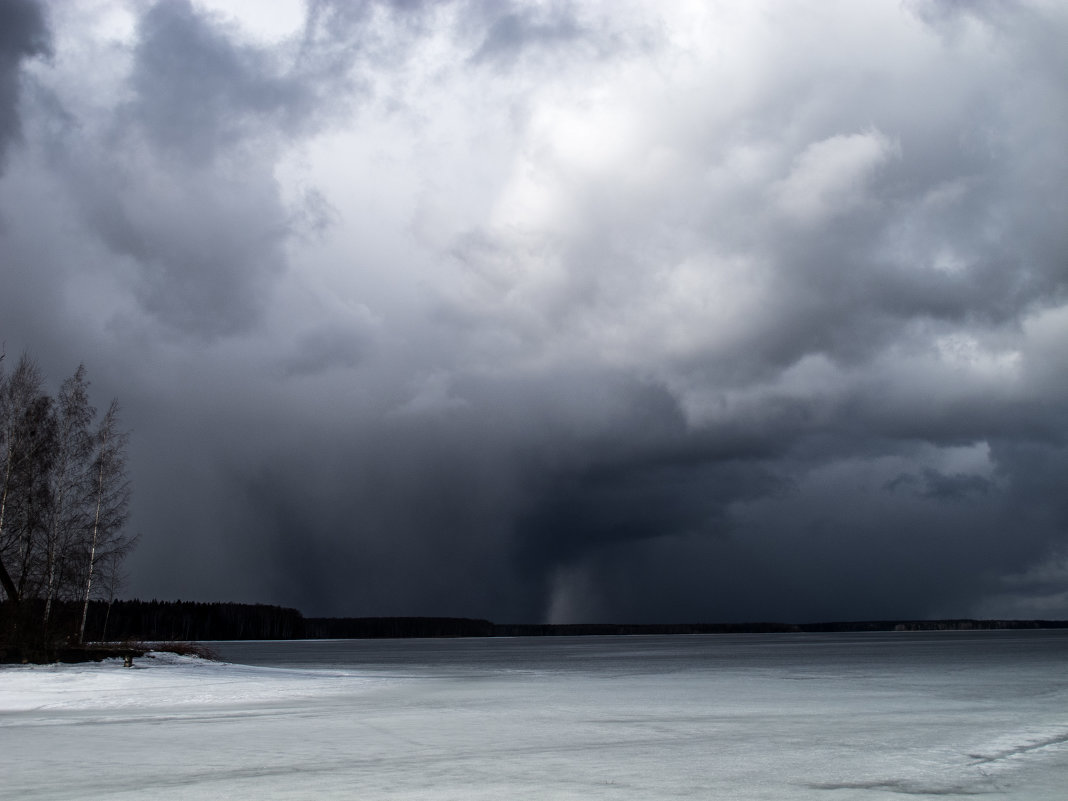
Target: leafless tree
[107, 543]
[69, 482]
[64, 502]
[24, 433]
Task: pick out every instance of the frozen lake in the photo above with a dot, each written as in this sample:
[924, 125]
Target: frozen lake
[849, 716]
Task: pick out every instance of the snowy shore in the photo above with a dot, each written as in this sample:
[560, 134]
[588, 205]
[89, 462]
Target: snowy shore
[157, 680]
[184, 728]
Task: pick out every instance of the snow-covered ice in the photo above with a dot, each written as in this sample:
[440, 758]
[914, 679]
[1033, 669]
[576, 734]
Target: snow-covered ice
[758, 717]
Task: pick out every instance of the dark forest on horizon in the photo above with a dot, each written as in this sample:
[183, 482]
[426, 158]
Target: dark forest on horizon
[193, 621]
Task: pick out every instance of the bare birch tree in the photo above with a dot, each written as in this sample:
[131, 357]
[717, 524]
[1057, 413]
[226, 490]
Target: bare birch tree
[64, 500]
[23, 426]
[69, 486]
[110, 499]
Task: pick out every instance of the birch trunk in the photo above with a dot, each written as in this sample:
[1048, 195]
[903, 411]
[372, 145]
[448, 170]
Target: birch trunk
[106, 544]
[96, 534]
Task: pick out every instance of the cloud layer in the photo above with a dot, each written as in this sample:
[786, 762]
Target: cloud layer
[560, 311]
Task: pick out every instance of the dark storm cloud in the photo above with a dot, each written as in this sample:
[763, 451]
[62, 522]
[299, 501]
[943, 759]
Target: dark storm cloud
[496, 33]
[23, 34]
[526, 313]
[204, 249]
[937, 485]
[325, 348]
[181, 182]
[199, 91]
[524, 27]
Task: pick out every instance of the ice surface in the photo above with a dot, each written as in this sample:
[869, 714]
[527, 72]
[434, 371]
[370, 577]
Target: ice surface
[587, 718]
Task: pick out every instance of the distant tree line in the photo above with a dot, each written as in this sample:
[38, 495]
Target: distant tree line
[609, 629]
[154, 620]
[384, 627]
[147, 621]
[64, 498]
[190, 621]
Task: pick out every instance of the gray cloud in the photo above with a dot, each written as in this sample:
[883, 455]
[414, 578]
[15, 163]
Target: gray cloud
[23, 34]
[470, 308]
[938, 485]
[326, 348]
[178, 181]
[518, 29]
[199, 91]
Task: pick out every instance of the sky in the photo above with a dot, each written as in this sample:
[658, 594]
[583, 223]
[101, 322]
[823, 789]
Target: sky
[562, 312]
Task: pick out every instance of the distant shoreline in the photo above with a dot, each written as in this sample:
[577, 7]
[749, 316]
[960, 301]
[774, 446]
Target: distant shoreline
[157, 621]
[395, 628]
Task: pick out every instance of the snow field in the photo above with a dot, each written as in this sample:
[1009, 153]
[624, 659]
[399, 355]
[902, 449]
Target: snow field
[180, 728]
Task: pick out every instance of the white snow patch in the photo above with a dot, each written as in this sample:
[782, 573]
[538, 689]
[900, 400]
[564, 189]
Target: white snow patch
[183, 728]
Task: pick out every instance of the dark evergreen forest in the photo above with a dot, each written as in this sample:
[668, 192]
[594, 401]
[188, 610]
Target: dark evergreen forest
[195, 621]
